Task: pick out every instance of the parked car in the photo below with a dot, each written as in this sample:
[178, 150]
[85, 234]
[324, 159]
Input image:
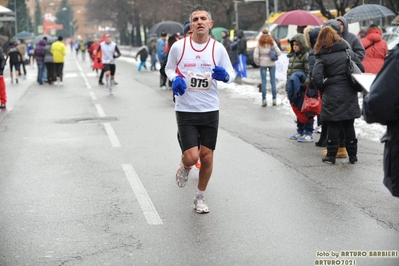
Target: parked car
[392, 40]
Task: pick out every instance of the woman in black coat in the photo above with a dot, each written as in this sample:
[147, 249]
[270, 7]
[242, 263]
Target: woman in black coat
[340, 100]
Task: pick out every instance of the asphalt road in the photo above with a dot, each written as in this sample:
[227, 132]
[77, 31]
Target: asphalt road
[88, 179]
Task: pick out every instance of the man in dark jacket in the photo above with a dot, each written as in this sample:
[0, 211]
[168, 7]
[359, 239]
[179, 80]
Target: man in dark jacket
[242, 55]
[351, 38]
[380, 106]
[227, 43]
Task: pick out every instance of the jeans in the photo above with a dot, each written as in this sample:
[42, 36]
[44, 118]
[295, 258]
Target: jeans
[272, 72]
[302, 127]
[40, 72]
[153, 61]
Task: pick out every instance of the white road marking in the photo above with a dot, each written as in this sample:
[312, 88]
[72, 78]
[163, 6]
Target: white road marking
[93, 96]
[100, 110]
[111, 135]
[91, 74]
[70, 75]
[149, 211]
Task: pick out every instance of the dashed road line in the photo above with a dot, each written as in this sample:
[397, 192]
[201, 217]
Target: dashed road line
[100, 110]
[112, 136]
[149, 211]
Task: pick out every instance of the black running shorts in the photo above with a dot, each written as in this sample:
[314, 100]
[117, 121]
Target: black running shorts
[109, 67]
[198, 126]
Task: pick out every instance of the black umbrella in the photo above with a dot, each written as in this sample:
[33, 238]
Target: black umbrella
[23, 35]
[170, 27]
[37, 39]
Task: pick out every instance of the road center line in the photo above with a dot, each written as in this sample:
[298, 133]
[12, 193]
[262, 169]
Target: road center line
[100, 110]
[93, 96]
[111, 135]
[149, 211]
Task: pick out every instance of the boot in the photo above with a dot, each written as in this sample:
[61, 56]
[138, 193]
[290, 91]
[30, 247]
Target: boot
[323, 135]
[332, 149]
[351, 147]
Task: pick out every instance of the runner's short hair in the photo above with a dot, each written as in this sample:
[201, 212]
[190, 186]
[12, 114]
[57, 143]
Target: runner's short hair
[201, 8]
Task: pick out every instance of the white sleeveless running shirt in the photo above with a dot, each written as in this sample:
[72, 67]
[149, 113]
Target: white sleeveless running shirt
[195, 66]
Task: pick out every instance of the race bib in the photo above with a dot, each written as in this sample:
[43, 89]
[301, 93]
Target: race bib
[199, 82]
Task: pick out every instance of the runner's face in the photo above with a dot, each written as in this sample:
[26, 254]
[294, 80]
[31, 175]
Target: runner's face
[201, 24]
[108, 39]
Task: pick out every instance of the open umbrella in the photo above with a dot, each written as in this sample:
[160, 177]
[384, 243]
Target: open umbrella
[24, 35]
[368, 12]
[299, 18]
[217, 32]
[37, 39]
[168, 26]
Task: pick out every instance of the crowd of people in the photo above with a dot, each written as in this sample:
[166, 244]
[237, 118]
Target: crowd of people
[191, 63]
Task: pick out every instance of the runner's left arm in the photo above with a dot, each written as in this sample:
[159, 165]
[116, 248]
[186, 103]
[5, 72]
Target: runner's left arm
[118, 53]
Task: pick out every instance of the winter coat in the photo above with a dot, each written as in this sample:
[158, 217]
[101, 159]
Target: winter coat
[340, 100]
[161, 43]
[39, 51]
[48, 56]
[353, 40]
[2, 61]
[227, 44]
[242, 45]
[298, 61]
[262, 55]
[152, 45]
[58, 50]
[22, 50]
[376, 51]
[381, 105]
[234, 51]
[311, 35]
[143, 53]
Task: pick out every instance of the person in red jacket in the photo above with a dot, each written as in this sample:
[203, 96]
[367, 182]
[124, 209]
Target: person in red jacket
[376, 50]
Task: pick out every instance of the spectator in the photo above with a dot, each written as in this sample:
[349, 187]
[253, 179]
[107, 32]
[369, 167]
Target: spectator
[376, 50]
[58, 50]
[242, 55]
[297, 77]
[262, 59]
[22, 50]
[143, 53]
[380, 106]
[352, 39]
[49, 63]
[161, 44]
[340, 104]
[39, 57]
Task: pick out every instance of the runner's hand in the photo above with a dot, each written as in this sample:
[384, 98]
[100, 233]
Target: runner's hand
[178, 86]
[219, 73]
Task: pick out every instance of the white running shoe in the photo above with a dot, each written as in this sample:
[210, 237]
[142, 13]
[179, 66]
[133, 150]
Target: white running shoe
[200, 206]
[182, 175]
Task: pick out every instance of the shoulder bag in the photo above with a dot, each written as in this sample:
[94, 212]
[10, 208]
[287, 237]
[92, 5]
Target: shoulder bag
[352, 68]
[273, 54]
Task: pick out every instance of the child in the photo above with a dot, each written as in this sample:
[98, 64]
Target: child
[143, 52]
[297, 78]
